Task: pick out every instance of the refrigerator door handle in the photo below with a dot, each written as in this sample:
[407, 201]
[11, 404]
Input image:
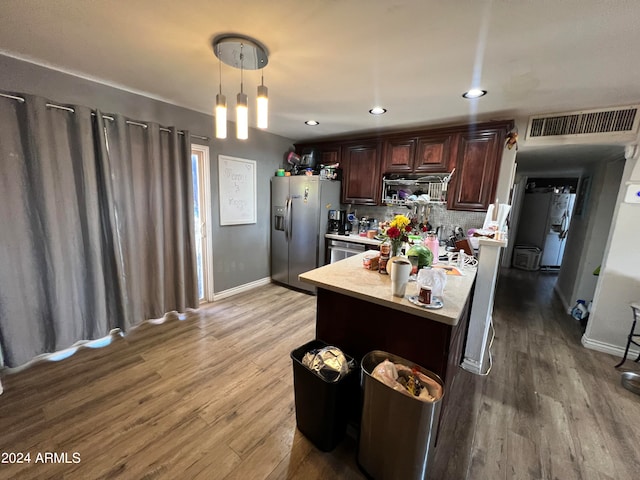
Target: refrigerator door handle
[287, 219]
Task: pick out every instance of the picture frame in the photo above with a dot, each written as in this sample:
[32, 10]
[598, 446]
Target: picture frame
[236, 190]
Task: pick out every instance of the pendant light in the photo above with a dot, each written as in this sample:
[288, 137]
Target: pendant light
[240, 51]
[263, 104]
[221, 108]
[242, 107]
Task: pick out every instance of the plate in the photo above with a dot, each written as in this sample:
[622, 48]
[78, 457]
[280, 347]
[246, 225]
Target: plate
[435, 304]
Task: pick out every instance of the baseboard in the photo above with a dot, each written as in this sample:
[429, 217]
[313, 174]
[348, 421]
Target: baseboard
[616, 350]
[241, 288]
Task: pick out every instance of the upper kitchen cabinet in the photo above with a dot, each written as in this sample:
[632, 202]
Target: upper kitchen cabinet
[330, 154]
[398, 155]
[361, 173]
[433, 153]
[477, 164]
[421, 154]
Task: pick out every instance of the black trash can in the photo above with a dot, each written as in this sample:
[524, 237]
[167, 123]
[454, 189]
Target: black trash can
[323, 408]
[397, 432]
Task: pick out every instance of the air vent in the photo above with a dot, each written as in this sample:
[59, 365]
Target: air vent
[613, 123]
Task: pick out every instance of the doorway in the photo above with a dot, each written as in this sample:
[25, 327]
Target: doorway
[547, 207]
[202, 220]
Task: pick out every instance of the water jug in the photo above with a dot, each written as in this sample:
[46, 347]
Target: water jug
[433, 244]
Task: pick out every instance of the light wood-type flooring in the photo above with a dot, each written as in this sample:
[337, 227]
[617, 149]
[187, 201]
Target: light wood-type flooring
[211, 397]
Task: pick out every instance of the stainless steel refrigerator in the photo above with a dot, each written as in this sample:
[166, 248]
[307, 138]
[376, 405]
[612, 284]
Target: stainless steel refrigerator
[544, 223]
[299, 215]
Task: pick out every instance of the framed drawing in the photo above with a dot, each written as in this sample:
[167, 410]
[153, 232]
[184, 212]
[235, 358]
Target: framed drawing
[583, 197]
[236, 190]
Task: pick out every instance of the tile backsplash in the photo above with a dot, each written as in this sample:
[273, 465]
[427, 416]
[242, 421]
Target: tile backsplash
[438, 215]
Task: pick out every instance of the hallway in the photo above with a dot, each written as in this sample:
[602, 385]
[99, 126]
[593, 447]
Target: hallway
[550, 408]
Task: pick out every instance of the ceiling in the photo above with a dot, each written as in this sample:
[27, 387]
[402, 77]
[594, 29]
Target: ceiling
[333, 60]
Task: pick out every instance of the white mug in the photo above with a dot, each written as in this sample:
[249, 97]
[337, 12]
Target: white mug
[400, 276]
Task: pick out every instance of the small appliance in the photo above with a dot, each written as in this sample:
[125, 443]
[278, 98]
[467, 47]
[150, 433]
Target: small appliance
[345, 225]
[334, 223]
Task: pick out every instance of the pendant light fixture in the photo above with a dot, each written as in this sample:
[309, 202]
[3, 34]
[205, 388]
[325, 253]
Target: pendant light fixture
[240, 51]
[221, 108]
[263, 104]
[242, 107]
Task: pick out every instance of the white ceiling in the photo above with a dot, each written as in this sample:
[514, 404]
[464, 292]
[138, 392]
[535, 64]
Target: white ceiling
[332, 60]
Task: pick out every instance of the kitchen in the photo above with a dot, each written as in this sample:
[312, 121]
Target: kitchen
[241, 252]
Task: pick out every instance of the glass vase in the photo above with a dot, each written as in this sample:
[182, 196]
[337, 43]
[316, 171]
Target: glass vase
[396, 248]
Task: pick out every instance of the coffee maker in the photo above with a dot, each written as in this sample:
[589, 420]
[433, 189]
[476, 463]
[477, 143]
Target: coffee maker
[345, 225]
[333, 226]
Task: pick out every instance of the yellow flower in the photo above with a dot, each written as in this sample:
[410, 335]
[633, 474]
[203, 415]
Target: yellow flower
[400, 222]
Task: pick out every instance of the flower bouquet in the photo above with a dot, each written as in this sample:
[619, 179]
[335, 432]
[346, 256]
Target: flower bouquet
[397, 231]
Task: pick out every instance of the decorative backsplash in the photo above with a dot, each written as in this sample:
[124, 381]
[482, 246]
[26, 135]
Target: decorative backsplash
[438, 215]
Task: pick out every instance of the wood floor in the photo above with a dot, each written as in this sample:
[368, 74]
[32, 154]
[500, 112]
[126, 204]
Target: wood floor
[211, 397]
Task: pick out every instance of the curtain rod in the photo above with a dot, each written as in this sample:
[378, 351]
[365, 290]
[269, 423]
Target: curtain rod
[106, 117]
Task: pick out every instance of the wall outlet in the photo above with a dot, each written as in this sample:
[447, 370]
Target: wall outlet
[633, 193]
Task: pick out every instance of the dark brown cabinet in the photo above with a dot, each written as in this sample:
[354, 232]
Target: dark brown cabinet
[330, 154]
[398, 155]
[475, 151]
[433, 153]
[477, 165]
[422, 154]
[361, 173]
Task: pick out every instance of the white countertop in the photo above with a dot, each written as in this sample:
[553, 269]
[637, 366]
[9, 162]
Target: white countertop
[348, 277]
[353, 238]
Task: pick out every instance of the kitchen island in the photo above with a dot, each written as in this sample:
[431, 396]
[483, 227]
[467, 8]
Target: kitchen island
[357, 312]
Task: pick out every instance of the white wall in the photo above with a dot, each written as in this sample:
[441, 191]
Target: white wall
[588, 234]
[619, 283]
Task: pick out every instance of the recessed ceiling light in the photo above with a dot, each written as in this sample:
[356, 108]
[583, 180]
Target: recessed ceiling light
[377, 111]
[312, 122]
[474, 93]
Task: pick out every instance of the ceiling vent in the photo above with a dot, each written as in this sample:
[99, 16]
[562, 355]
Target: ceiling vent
[618, 124]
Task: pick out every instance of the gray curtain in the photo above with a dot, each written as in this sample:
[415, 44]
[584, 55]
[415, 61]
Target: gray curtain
[153, 232]
[96, 226]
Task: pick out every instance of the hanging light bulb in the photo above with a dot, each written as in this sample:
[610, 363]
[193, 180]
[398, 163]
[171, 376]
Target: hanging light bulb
[263, 105]
[221, 108]
[242, 117]
[221, 116]
[242, 108]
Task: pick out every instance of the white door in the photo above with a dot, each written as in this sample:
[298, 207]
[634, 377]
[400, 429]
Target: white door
[202, 220]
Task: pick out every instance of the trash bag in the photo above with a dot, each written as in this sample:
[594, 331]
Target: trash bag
[328, 363]
[409, 381]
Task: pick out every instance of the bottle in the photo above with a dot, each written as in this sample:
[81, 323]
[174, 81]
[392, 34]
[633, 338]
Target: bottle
[433, 244]
[461, 256]
[385, 250]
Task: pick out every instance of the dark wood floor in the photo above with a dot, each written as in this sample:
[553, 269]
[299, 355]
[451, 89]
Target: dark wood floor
[212, 397]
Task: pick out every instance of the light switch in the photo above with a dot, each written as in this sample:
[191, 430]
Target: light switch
[633, 193]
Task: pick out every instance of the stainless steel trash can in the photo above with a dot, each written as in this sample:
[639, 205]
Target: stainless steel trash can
[397, 432]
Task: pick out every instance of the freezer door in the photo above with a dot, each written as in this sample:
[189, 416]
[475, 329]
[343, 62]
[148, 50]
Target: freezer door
[279, 243]
[303, 228]
[553, 251]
